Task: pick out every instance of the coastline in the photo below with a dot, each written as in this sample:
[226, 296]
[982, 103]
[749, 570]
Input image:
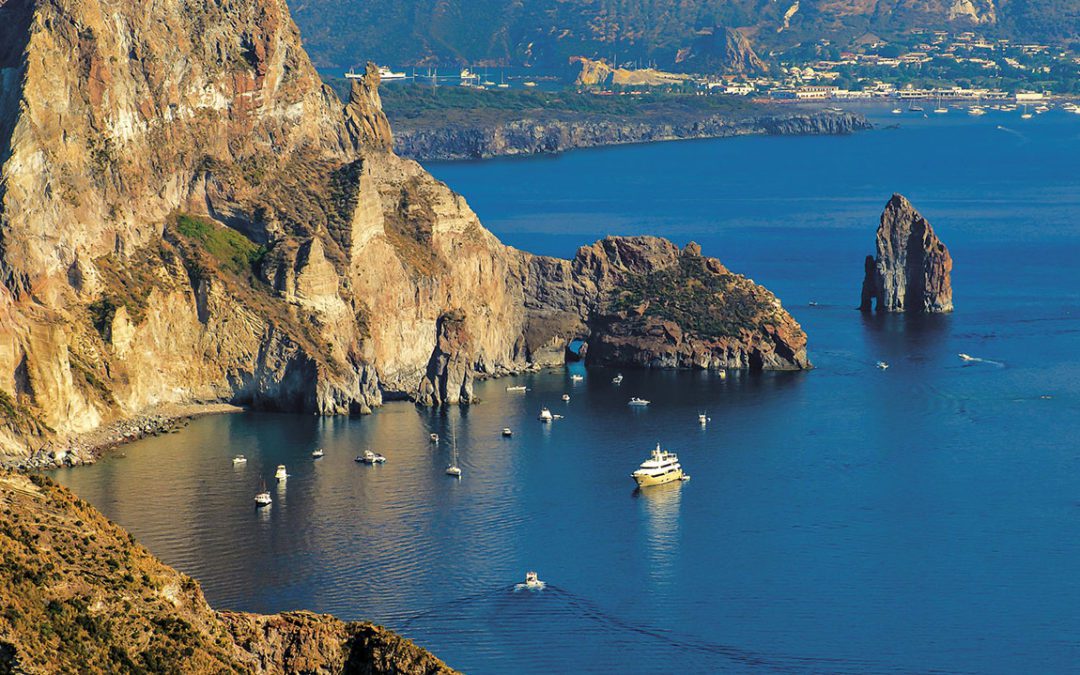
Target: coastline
[89, 446]
[540, 135]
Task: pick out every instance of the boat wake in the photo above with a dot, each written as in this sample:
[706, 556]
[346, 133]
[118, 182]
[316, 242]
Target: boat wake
[974, 359]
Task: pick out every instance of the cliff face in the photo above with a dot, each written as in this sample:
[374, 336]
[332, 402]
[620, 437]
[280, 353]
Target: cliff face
[721, 49]
[549, 135]
[189, 215]
[912, 268]
[78, 594]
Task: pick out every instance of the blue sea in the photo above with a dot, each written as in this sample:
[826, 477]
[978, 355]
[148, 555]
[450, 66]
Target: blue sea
[924, 518]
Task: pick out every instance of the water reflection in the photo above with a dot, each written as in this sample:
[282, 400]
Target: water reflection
[660, 507]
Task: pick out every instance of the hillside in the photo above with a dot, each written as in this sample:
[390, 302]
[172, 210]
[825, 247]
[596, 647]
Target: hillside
[546, 33]
[78, 594]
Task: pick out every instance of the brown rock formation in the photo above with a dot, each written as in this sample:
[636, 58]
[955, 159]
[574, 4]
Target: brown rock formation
[911, 271]
[78, 594]
[191, 215]
[726, 50]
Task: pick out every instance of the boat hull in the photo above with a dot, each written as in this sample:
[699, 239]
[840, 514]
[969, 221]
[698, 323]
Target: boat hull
[646, 480]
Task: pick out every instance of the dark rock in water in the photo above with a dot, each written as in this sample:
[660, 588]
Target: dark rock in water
[912, 269]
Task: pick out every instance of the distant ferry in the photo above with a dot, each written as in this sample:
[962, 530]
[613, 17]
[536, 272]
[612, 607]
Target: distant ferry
[661, 467]
[385, 74]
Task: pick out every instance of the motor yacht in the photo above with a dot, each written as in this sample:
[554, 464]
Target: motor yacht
[661, 467]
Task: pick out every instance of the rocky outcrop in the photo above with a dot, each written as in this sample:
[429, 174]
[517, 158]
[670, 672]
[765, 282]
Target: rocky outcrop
[78, 594]
[597, 72]
[723, 50]
[191, 216]
[911, 270]
[543, 135]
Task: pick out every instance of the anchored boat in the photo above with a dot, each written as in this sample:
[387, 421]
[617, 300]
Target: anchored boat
[661, 467]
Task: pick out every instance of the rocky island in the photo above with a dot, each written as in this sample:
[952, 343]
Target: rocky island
[912, 268]
[231, 232]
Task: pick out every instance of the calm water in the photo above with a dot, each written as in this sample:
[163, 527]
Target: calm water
[924, 518]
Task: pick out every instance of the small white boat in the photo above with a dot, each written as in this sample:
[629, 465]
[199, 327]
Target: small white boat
[545, 415]
[617, 379]
[638, 401]
[881, 365]
[519, 387]
[434, 438]
[507, 432]
[371, 458]
[941, 111]
[965, 357]
[702, 419]
[577, 378]
[897, 111]
[239, 459]
[529, 83]
[317, 453]
[453, 470]
[262, 497]
[566, 397]
[976, 111]
[532, 581]
[1026, 116]
[281, 474]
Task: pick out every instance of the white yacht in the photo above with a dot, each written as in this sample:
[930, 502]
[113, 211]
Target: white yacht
[566, 397]
[617, 379]
[371, 458]
[897, 111]
[966, 357]
[577, 378]
[262, 497]
[545, 415]
[702, 419]
[976, 110]
[661, 467]
[317, 454]
[281, 474]
[507, 432]
[639, 402]
[239, 459]
[881, 365]
[519, 387]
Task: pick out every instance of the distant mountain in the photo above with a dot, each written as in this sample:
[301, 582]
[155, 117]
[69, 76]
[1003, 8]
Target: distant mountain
[341, 33]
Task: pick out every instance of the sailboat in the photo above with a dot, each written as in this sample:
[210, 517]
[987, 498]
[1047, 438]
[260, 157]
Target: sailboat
[453, 470]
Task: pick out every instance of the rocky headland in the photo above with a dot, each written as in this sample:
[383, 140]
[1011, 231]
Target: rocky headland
[541, 133]
[79, 595]
[229, 231]
[911, 271]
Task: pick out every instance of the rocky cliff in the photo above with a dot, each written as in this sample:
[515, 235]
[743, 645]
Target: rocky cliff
[547, 134]
[912, 268]
[188, 214]
[78, 594]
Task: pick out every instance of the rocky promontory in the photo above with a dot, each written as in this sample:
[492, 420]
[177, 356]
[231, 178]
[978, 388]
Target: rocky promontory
[543, 134]
[230, 231]
[79, 595]
[912, 268]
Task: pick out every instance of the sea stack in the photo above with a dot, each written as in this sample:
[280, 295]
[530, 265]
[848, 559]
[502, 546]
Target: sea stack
[912, 269]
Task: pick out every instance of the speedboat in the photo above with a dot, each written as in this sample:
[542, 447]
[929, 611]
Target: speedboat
[371, 458]
[532, 580]
[638, 401]
[507, 433]
[317, 453]
[617, 379]
[897, 111]
[281, 474]
[661, 467]
[881, 365]
[566, 397]
[434, 438]
[519, 387]
[239, 459]
[966, 357]
[577, 378]
[545, 415]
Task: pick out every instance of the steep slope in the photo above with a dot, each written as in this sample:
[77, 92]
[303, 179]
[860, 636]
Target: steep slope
[547, 32]
[197, 218]
[78, 594]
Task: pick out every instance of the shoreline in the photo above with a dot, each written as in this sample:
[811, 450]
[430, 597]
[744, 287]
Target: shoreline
[89, 446]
